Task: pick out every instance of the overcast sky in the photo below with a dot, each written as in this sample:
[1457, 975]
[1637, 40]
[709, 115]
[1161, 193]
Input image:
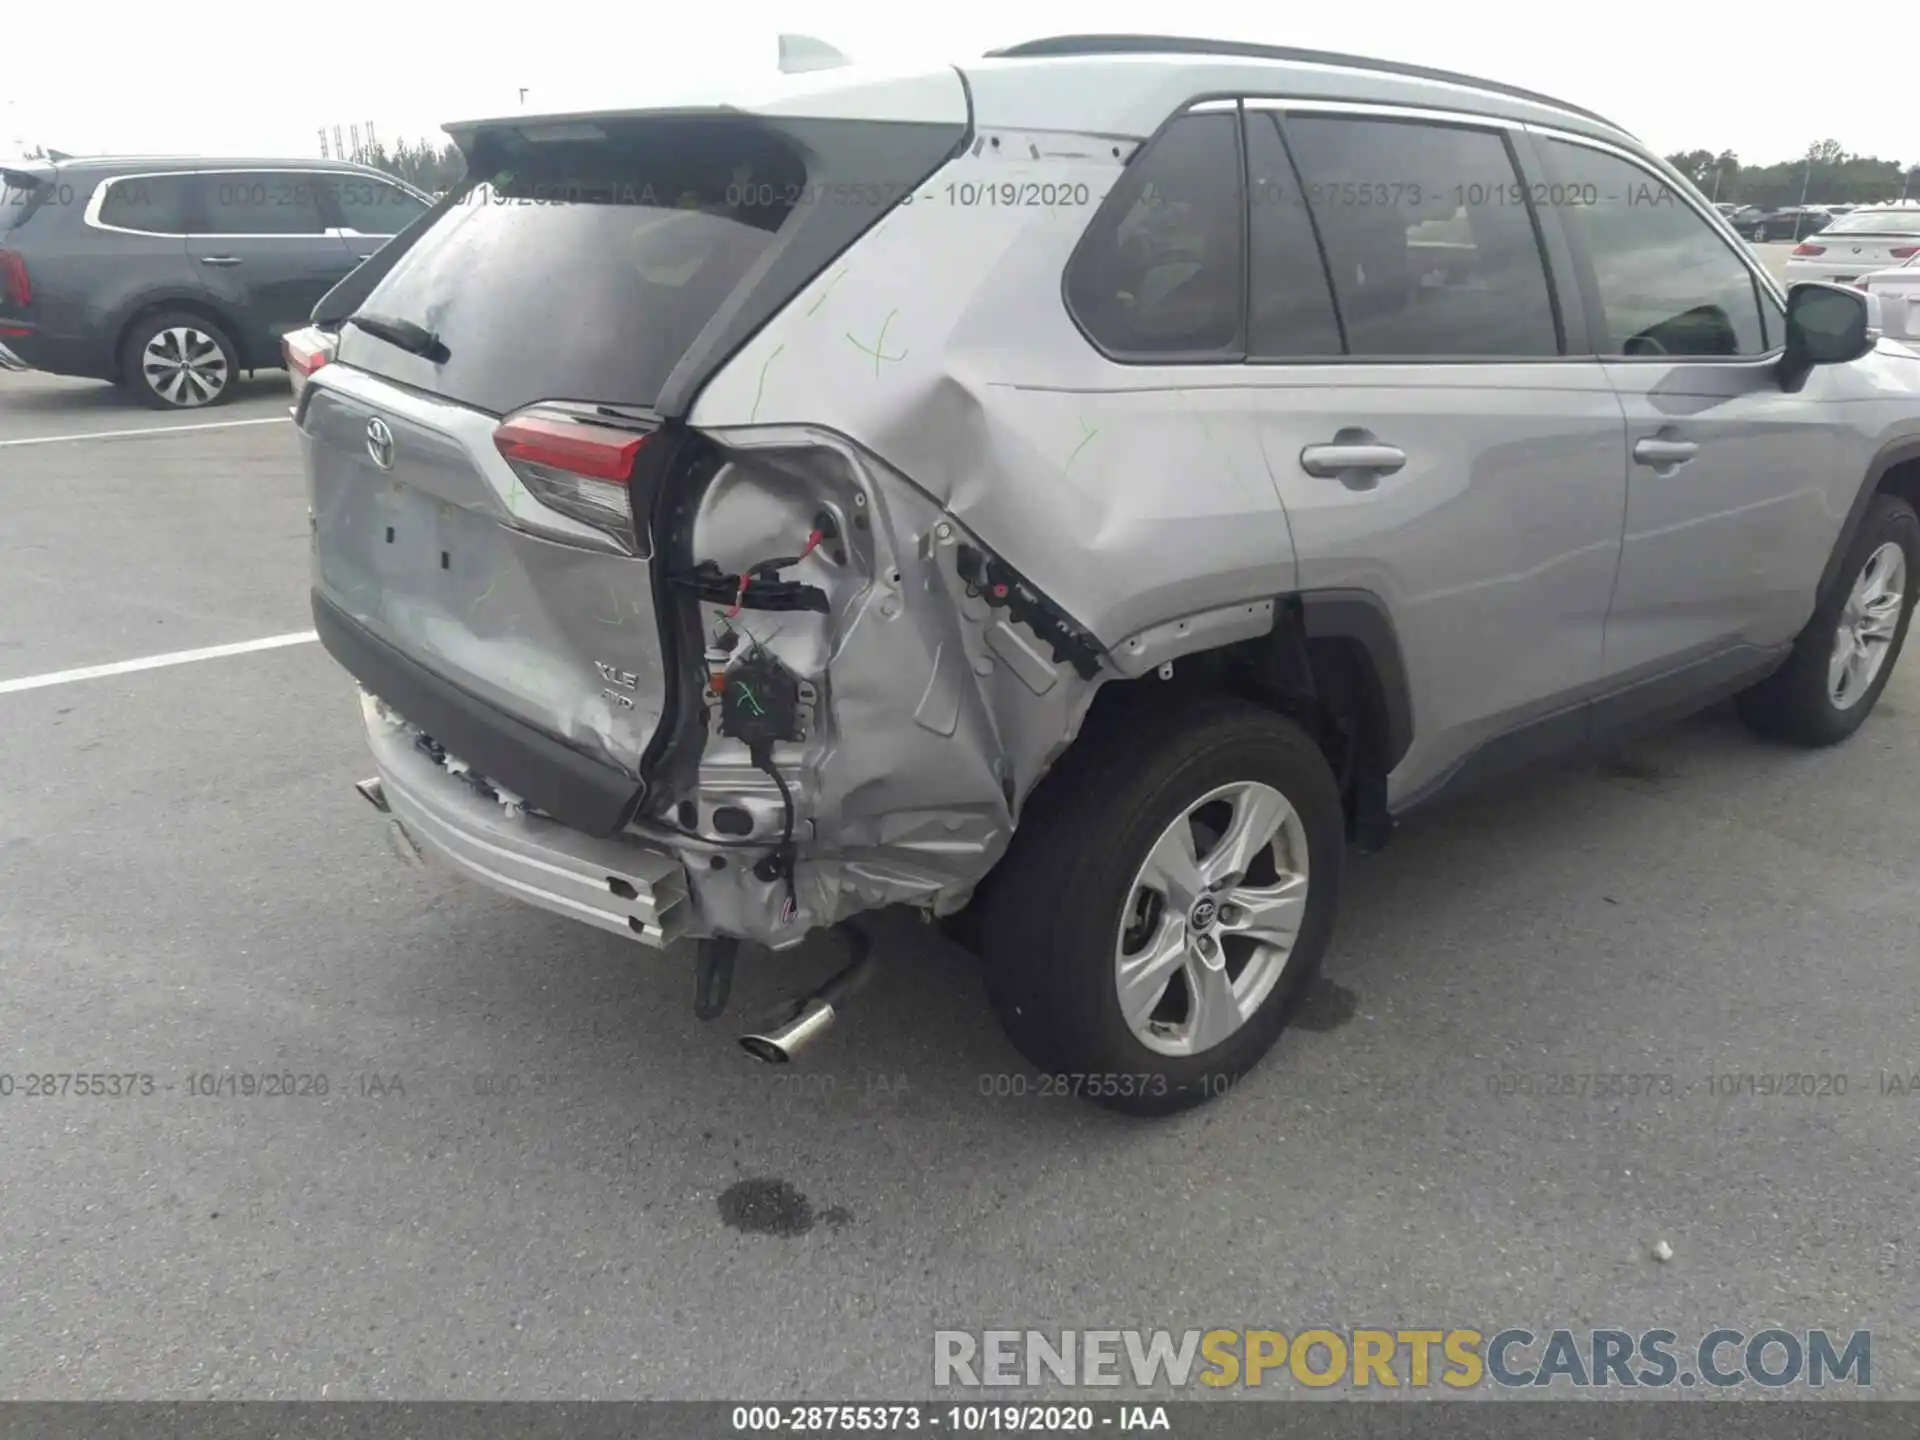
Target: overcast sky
[264, 78]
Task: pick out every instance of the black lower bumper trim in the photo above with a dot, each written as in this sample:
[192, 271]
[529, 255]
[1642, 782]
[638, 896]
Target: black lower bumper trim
[583, 794]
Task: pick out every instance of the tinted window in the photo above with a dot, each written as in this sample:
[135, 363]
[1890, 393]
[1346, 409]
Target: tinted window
[1291, 304]
[1159, 272]
[154, 203]
[588, 270]
[260, 202]
[1666, 282]
[372, 207]
[1428, 235]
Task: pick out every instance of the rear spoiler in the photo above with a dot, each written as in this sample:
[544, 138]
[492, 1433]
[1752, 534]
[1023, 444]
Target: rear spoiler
[38, 183]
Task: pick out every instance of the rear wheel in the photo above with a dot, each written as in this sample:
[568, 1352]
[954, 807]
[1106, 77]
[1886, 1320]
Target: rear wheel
[1167, 896]
[178, 361]
[1844, 658]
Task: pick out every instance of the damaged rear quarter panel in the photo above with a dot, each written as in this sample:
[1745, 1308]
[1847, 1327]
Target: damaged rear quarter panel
[939, 361]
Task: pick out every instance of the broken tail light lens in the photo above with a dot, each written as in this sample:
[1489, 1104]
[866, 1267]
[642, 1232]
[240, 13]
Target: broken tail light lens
[305, 351]
[574, 466]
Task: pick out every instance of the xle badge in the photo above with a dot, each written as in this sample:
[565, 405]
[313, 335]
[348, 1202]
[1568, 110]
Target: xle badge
[616, 677]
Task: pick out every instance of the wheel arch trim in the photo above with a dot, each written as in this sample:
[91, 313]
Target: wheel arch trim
[151, 302]
[1362, 617]
[1895, 453]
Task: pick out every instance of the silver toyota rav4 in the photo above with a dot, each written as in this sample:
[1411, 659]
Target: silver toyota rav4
[1078, 493]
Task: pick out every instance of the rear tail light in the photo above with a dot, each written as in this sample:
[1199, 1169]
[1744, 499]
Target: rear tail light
[305, 351]
[15, 288]
[576, 467]
[1905, 252]
[1809, 249]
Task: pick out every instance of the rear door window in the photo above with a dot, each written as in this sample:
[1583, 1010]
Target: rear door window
[260, 202]
[1159, 274]
[1430, 237]
[152, 204]
[372, 207]
[587, 270]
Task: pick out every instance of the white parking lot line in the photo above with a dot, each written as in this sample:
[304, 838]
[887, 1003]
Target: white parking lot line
[149, 430]
[155, 662]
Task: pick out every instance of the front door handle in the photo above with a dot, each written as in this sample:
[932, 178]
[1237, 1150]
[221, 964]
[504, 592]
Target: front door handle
[1660, 453]
[1352, 455]
[219, 259]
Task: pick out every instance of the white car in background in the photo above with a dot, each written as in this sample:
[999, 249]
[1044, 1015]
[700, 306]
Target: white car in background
[1898, 290]
[1857, 244]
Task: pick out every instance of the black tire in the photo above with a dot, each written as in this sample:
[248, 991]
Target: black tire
[152, 388]
[1052, 919]
[1795, 704]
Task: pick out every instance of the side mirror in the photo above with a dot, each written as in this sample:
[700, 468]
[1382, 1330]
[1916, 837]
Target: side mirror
[1826, 325]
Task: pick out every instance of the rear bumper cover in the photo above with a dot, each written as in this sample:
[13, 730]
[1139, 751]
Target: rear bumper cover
[25, 346]
[581, 793]
[617, 885]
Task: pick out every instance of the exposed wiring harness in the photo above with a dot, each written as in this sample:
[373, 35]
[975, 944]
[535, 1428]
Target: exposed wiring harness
[759, 705]
[762, 756]
[770, 569]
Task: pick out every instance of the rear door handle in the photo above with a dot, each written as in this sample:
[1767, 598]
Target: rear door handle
[219, 259]
[1659, 453]
[1355, 458]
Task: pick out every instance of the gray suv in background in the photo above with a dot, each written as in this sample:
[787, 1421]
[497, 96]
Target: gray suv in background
[1079, 492]
[170, 276]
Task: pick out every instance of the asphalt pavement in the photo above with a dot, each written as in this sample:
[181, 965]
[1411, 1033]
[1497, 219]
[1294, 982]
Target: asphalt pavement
[534, 1174]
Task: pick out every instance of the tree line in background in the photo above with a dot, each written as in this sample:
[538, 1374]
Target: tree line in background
[1827, 174]
[420, 163]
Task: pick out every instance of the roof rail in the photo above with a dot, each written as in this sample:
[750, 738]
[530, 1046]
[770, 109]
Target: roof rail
[1065, 45]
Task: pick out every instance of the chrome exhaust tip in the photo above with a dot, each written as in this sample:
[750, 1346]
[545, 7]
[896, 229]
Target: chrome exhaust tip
[811, 1019]
[374, 795]
[811, 1016]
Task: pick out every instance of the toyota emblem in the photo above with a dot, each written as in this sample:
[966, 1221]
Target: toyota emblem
[380, 443]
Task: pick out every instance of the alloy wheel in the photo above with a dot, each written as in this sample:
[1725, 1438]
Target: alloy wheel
[1211, 919]
[185, 366]
[1868, 623]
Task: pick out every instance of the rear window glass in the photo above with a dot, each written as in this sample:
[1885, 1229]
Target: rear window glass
[585, 269]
